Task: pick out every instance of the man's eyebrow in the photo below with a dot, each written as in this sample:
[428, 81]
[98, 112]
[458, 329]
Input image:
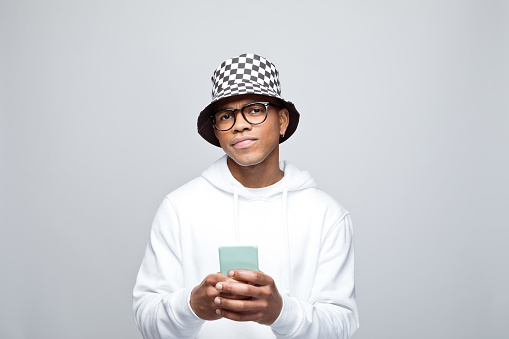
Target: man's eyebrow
[221, 107]
[225, 106]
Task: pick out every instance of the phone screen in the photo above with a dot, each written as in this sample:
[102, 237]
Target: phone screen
[240, 257]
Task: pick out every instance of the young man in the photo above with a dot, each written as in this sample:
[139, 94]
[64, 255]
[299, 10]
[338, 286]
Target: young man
[305, 286]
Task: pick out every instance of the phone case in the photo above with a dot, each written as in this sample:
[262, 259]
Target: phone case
[240, 257]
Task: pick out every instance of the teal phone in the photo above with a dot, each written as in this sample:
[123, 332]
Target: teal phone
[239, 257]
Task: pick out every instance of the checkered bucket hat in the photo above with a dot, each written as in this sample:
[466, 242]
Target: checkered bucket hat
[245, 74]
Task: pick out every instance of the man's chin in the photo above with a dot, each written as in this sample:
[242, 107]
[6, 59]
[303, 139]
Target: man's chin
[246, 161]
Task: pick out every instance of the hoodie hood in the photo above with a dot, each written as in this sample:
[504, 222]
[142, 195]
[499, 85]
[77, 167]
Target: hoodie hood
[219, 175]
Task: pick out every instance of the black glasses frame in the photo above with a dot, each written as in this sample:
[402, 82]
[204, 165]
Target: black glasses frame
[233, 112]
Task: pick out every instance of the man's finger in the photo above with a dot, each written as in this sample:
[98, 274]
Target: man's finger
[253, 277]
[234, 296]
[238, 305]
[236, 288]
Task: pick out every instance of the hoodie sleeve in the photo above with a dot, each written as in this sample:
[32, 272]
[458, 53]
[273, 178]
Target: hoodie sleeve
[331, 311]
[160, 301]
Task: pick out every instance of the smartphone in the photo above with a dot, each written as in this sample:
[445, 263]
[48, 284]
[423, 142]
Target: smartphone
[240, 257]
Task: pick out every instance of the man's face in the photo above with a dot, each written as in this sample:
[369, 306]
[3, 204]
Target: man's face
[248, 144]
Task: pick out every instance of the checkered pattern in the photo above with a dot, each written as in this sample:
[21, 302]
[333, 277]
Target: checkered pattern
[247, 73]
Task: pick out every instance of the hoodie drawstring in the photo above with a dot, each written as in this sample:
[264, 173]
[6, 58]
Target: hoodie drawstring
[286, 230]
[236, 213]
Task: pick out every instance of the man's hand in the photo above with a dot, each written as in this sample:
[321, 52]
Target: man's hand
[203, 295]
[262, 302]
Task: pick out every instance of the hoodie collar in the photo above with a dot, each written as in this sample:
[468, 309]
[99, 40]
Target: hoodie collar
[219, 175]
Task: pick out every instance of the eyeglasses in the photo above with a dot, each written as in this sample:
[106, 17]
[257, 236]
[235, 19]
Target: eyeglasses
[255, 113]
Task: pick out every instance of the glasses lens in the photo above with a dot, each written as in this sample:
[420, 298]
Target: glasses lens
[255, 113]
[224, 119]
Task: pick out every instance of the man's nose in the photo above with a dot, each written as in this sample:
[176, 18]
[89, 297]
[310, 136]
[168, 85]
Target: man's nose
[241, 124]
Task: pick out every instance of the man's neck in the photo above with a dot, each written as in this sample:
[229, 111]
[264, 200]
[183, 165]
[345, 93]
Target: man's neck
[261, 175]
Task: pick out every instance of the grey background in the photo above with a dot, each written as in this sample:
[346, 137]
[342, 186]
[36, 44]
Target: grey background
[405, 121]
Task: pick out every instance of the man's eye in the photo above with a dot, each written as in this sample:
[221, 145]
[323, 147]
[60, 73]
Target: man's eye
[224, 117]
[254, 111]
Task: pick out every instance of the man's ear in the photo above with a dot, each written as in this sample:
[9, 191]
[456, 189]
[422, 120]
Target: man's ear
[284, 120]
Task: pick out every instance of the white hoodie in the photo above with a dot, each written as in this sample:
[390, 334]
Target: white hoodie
[305, 244]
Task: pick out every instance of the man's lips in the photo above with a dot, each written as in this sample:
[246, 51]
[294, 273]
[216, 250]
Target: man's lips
[243, 142]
